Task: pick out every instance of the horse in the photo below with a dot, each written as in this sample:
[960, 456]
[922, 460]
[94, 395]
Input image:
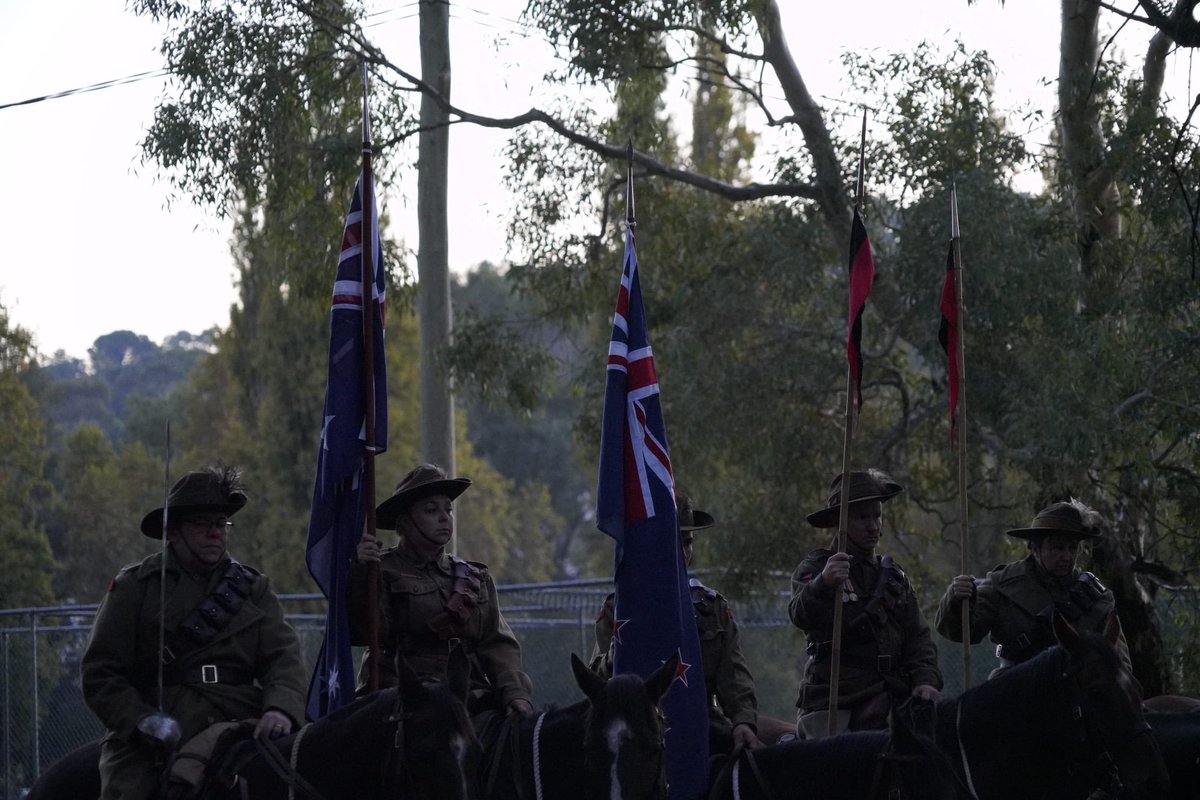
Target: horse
[1178, 737]
[1172, 703]
[607, 746]
[861, 765]
[415, 742]
[1066, 724]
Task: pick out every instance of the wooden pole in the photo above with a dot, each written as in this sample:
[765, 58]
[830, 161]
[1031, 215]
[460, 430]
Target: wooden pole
[960, 426]
[368, 372]
[835, 654]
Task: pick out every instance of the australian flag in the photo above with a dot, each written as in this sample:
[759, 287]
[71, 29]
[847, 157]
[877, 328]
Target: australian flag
[338, 506]
[635, 505]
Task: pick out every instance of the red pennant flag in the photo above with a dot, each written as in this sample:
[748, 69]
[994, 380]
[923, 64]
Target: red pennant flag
[862, 276]
[948, 336]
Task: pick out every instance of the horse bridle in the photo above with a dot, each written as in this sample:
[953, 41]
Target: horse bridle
[661, 787]
[1101, 769]
[1102, 763]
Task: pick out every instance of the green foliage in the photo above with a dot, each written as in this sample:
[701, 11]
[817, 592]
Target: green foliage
[252, 82]
[104, 495]
[29, 564]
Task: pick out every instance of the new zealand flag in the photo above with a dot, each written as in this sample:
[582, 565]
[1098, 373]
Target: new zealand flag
[635, 505]
[338, 508]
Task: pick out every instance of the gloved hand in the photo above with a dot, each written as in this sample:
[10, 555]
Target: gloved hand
[161, 728]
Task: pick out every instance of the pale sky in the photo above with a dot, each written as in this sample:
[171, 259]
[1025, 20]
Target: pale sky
[90, 244]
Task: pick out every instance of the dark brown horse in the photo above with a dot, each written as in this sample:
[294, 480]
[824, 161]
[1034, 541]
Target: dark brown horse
[607, 747]
[1066, 725]
[411, 743]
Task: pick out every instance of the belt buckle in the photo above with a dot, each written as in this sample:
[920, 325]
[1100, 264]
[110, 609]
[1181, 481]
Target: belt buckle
[208, 673]
[884, 663]
[452, 643]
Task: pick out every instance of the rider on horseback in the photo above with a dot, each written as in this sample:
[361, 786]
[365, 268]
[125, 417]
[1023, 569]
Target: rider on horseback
[887, 650]
[431, 601]
[1015, 602]
[226, 652]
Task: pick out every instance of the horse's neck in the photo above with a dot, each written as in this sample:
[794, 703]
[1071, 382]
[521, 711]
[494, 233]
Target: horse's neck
[998, 734]
[551, 753]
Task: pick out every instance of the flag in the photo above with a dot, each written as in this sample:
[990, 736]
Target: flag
[862, 275]
[948, 336]
[635, 505]
[338, 508]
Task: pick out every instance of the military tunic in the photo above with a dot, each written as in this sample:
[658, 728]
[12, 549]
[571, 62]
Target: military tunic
[886, 645]
[727, 679]
[1014, 603]
[252, 664]
[413, 598]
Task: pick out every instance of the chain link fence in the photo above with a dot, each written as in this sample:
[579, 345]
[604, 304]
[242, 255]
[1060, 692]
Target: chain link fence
[44, 715]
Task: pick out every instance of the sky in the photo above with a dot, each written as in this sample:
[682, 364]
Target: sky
[93, 242]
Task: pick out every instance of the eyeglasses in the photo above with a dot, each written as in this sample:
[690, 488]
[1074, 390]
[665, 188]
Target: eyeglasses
[208, 523]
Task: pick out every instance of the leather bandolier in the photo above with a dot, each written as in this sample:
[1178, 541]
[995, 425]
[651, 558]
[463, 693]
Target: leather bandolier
[860, 645]
[201, 625]
[1086, 590]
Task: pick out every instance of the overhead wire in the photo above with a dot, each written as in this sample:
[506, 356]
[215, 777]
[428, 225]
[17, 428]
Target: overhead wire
[95, 87]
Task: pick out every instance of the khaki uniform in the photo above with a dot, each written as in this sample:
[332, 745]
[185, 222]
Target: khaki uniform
[1014, 603]
[886, 647]
[727, 679]
[413, 600]
[250, 665]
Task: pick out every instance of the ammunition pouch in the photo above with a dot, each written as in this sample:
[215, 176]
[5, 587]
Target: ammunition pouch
[202, 624]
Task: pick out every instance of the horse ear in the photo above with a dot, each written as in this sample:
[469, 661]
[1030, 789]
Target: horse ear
[591, 683]
[1112, 629]
[1066, 634]
[458, 673]
[660, 681]
[410, 683]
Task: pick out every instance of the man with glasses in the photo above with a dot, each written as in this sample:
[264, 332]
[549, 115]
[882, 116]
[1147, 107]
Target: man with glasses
[225, 650]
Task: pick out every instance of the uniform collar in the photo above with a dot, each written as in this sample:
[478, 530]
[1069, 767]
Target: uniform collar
[411, 557]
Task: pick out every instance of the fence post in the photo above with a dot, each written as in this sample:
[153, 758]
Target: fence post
[7, 724]
[37, 732]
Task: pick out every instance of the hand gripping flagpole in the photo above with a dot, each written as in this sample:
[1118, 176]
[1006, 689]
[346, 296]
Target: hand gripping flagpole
[162, 570]
[835, 655]
[960, 426]
[368, 373]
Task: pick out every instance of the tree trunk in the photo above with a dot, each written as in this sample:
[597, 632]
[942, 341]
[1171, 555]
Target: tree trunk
[433, 270]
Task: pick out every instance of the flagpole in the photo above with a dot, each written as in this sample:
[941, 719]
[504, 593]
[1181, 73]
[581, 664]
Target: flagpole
[961, 426]
[368, 372]
[835, 656]
[162, 569]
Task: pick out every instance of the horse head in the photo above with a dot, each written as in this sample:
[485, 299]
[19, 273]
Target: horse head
[1109, 741]
[434, 748]
[624, 744]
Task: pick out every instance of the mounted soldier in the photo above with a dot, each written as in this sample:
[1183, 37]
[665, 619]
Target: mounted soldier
[733, 708]
[887, 651]
[225, 650]
[431, 601]
[1015, 602]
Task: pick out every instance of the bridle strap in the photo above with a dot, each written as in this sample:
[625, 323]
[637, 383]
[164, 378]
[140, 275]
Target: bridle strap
[537, 757]
[295, 757]
[292, 778]
[962, 751]
[752, 762]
